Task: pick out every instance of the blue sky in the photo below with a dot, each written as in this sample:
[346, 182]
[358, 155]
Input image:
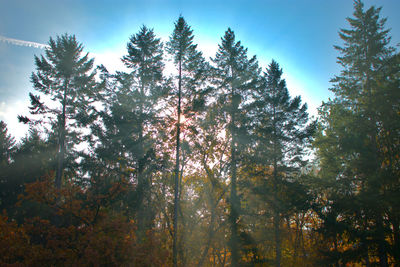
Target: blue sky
[299, 34]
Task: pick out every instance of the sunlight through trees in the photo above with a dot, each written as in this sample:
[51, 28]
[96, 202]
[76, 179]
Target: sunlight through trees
[211, 164]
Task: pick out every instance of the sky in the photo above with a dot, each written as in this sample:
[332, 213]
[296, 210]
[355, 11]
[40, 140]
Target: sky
[298, 34]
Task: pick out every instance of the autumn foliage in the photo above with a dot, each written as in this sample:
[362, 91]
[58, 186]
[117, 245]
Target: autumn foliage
[75, 228]
[213, 165]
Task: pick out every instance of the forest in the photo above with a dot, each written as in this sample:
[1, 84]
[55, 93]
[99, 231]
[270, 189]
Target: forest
[211, 164]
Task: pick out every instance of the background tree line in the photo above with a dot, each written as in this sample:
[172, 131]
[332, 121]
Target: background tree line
[212, 165]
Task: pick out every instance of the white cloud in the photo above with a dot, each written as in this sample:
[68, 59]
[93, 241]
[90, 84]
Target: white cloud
[9, 113]
[111, 59]
[208, 48]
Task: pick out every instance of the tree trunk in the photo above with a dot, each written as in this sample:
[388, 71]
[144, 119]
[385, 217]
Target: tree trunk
[141, 190]
[209, 238]
[276, 222]
[382, 253]
[61, 139]
[234, 214]
[176, 196]
[182, 238]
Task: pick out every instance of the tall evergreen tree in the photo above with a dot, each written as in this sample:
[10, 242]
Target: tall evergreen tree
[145, 60]
[125, 143]
[235, 76]
[191, 67]
[282, 134]
[67, 78]
[350, 143]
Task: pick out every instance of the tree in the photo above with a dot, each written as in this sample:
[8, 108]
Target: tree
[7, 148]
[204, 192]
[33, 157]
[235, 76]
[191, 67]
[91, 232]
[145, 59]
[7, 144]
[67, 78]
[354, 125]
[282, 133]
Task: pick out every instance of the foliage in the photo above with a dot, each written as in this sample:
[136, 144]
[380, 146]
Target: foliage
[209, 165]
[235, 76]
[360, 185]
[86, 231]
[68, 80]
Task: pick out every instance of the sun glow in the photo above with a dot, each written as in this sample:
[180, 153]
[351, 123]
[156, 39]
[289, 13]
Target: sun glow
[183, 119]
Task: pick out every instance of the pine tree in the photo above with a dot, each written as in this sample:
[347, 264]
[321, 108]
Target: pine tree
[33, 159]
[68, 79]
[353, 127]
[282, 133]
[7, 149]
[145, 60]
[191, 72]
[235, 76]
[7, 145]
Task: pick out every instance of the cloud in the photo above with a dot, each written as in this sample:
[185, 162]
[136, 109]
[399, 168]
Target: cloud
[22, 43]
[110, 59]
[8, 114]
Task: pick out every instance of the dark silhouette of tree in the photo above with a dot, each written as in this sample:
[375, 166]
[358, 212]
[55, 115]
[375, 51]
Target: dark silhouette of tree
[282, 132]
[209, 166]
[7, 144]
[145, 59]
[32, 158]
[67, 78]
[190, 64]
[7, 149]
[355, 136]
[235, 76]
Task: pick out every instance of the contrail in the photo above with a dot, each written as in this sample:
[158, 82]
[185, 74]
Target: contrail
[23, 43]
